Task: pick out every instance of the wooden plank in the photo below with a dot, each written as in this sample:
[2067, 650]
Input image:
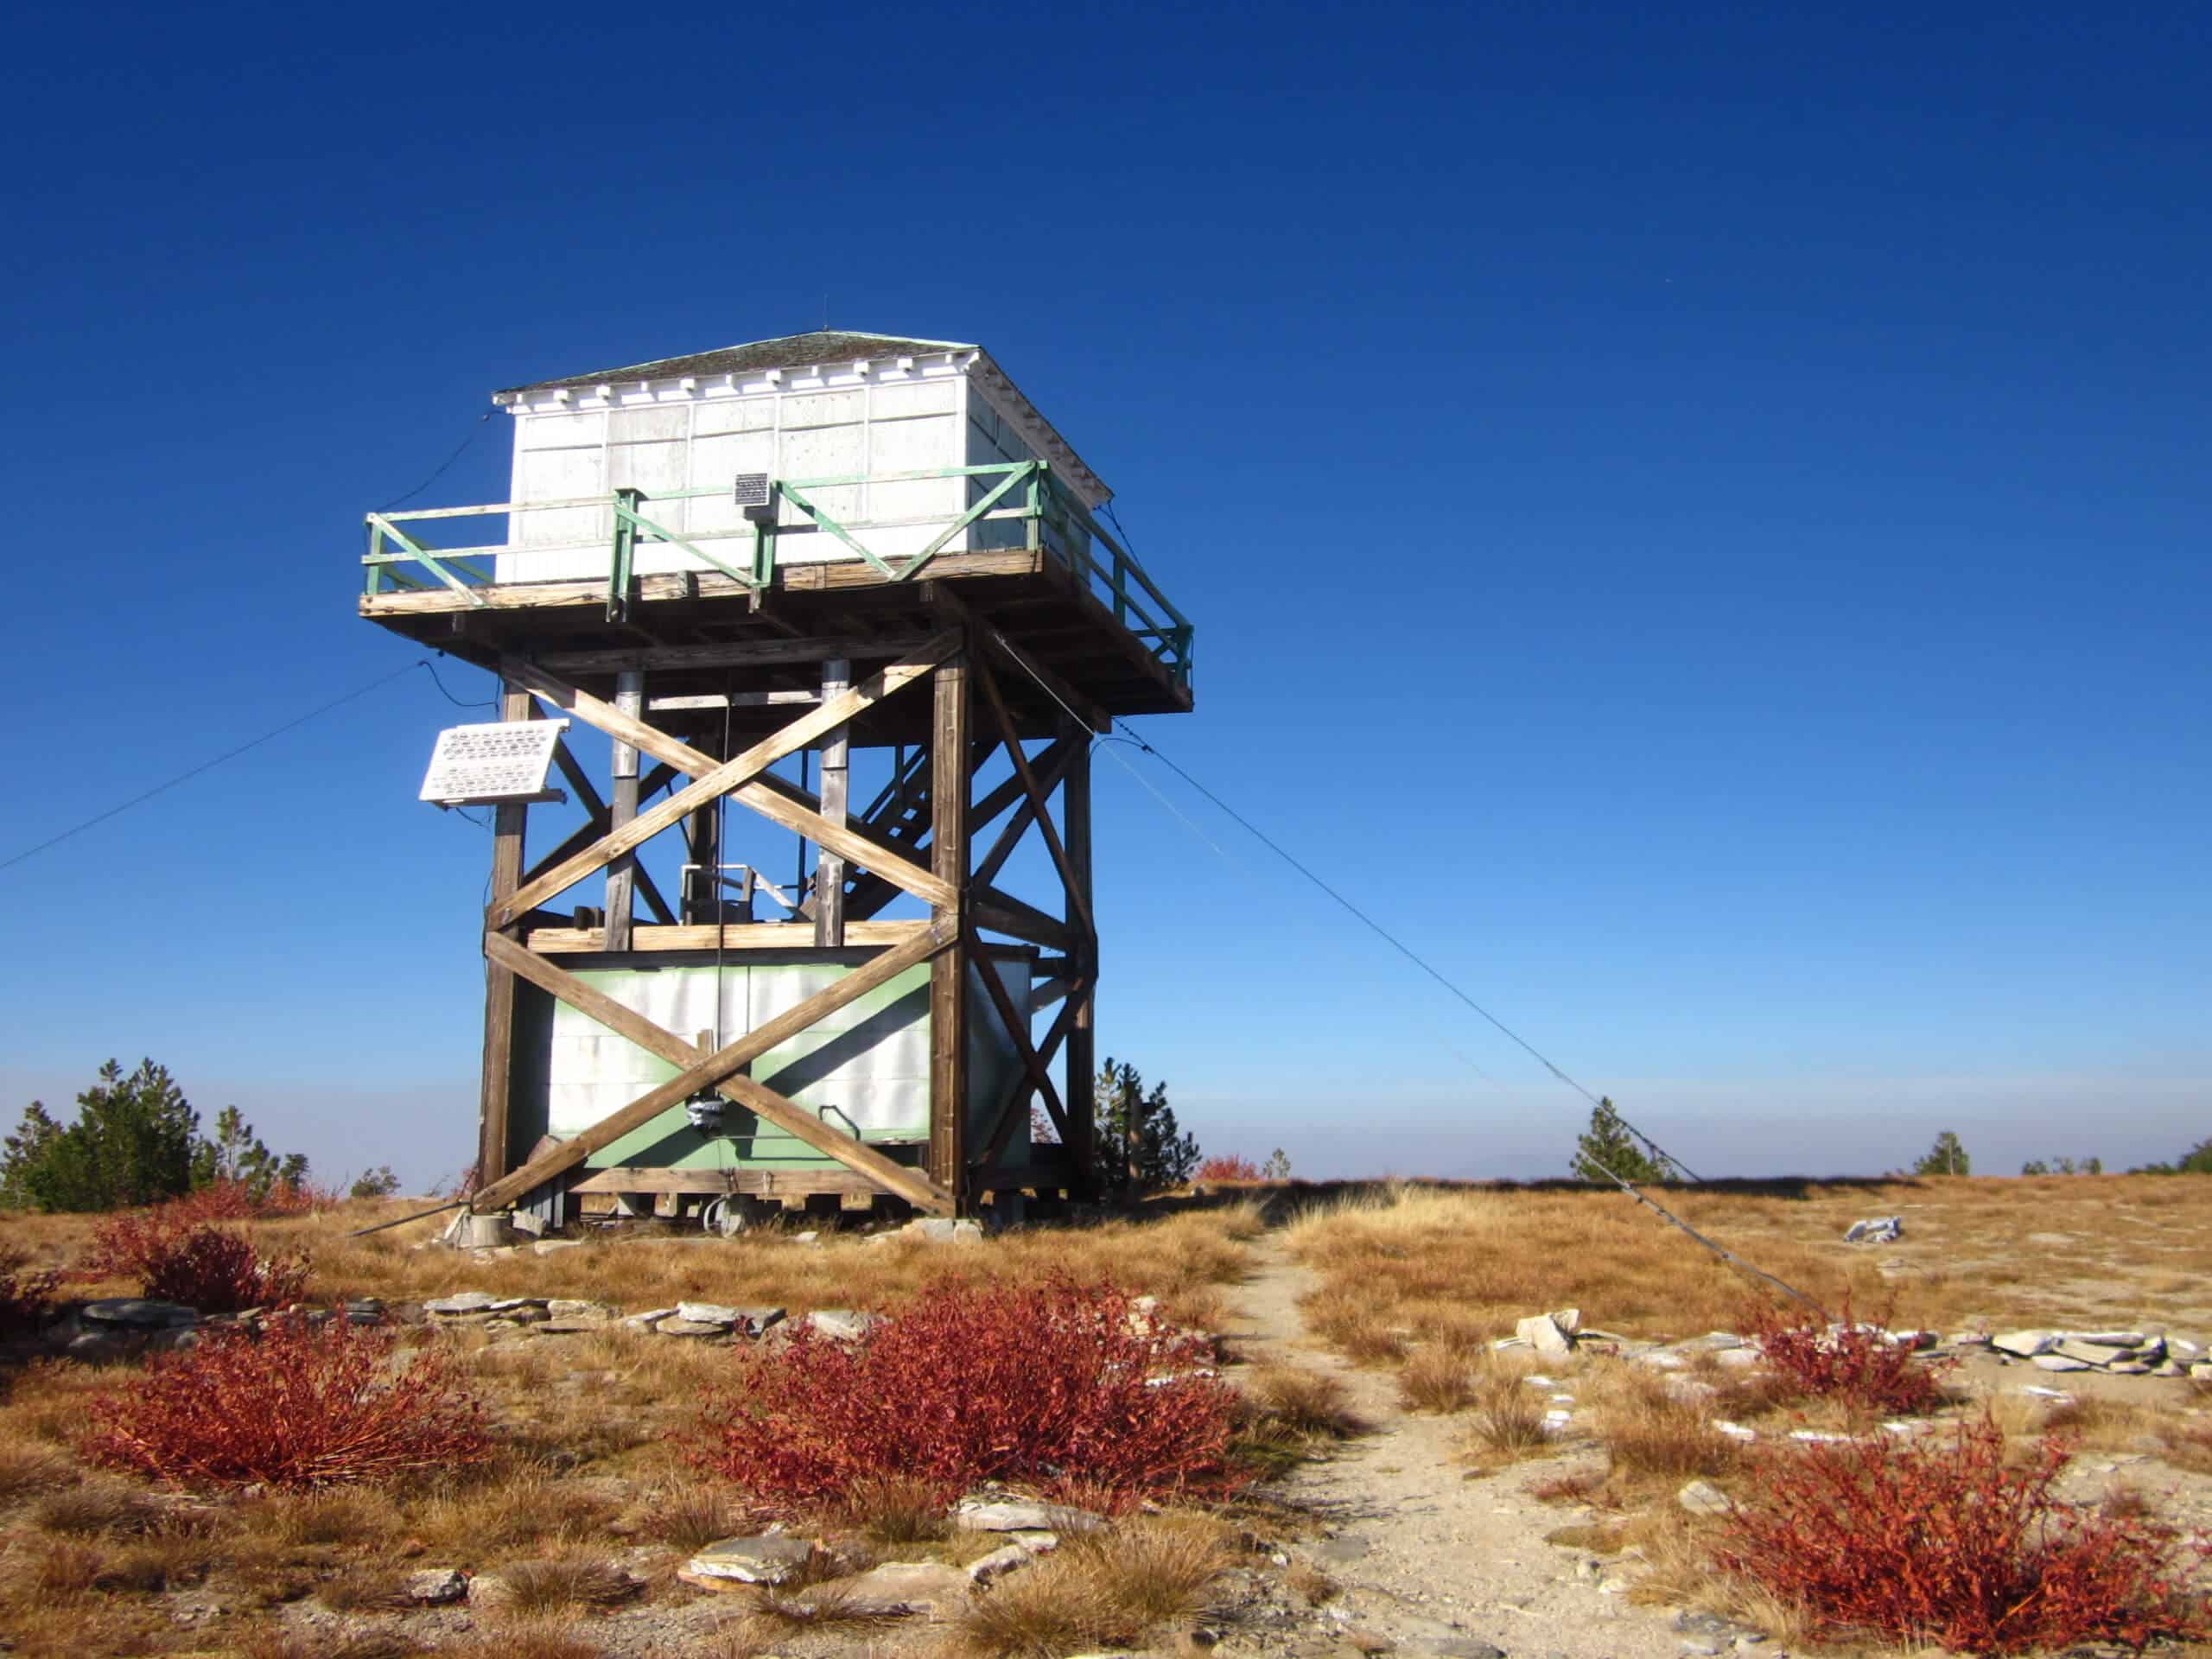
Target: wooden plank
[830, 868]
[1051, 766]
[1017, 1029]
[712, 780]
[1008, 1117]
[496, 1096]
[1082, 1009]
[751, 1183]
[581, 836]
[745, 653]
[701, 1070]
[1054, 686]
[1040, 803]
[831, 577]
[700, 936]
[1004, 914]
[622, 811]
[949, 792]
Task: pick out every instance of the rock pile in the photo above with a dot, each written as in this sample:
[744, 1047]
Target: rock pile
[1879, 1229]
[2117, 1353]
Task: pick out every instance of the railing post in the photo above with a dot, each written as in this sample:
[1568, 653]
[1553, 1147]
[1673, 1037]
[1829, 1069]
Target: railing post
[1036, 527]
[1121, 586]
[374, 582]
[626, 542]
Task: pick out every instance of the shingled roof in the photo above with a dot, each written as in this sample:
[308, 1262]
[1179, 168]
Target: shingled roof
[788, 352]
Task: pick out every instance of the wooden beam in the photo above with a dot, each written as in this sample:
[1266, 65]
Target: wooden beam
[579, 780]
[949, 792]
[496, 1094]
[1051, 766]
[711, 780]
[1082, 1009]
[740, 654]
[700, 936]
[622, 811]
[700, 1069]
[752, 1183]
[1017, 1029]
[1008, 1117]
[830, 868]
[1004, 914]
[581, 836]
[1085, 711]
[1040, 803]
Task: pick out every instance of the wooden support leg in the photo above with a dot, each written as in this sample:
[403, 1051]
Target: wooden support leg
[622, 873]
[493, 1159]
[948, 971]
[830, 868]
[1083, 1044]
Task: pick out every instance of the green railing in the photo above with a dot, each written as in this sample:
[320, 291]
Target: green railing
[1055, 521]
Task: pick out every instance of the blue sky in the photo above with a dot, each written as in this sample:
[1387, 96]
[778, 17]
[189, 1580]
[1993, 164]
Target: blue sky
[1698, 525]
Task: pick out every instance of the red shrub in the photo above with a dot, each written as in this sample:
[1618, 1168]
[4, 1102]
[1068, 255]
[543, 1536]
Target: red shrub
[177, 1260]
[293, 1405]
[1228, 1168]
[24, 1295]
[1855, 1362]
[1055, 1385]
[1939, 1542]
[223, 1199]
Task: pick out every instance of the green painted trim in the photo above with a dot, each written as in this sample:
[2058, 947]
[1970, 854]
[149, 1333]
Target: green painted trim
[653, 532]
[422, 556]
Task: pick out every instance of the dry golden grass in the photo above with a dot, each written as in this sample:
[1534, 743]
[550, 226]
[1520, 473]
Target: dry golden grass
[1417, 1269]
[1112, 1588]
[894, 1509]
[1303, 1405]
[581, 1423]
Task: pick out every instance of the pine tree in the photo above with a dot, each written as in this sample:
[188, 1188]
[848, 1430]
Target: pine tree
[1277, 1167]
[1609, 1149]
[1139, 1144]
[1946, 1157]
[134, 1142]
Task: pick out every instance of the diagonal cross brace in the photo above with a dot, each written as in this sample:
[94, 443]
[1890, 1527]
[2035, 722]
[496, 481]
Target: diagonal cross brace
[702, 1069]
[713, 780]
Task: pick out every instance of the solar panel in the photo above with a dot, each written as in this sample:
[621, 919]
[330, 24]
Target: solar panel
[500, 760]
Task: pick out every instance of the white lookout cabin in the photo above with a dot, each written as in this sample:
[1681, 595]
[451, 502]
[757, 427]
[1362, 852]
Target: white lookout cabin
[848, 419]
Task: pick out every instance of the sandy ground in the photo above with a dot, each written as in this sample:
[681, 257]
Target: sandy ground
[1431, 1561]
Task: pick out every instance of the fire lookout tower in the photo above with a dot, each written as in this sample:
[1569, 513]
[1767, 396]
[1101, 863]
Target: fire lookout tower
[847, 589]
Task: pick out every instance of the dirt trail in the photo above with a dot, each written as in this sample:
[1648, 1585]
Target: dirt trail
[1429, 1558]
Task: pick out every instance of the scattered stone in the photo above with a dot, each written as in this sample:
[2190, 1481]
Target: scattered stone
[1876, 1230]
[765, 1558]
[1739, 1359]
[967, 1232]
[937, 1230]
[437, 1586]
[2025, 1344]
[1734, 1431]
[461, 1303]
[1968, 1339]
[2042, 1393]
[1343, 1548]
[548, 1246]
[1703, 1497]
[746, 1321]
[1009, 1515]
[1819, 1436]
[569, 1328]
[898, 1589]
[806, 1238]
[2113, 1338]
[2129, 1368]
[1544, 1333]
[2092, 1353]
[137, 1313]
[999, 1563]
[650, 1317]
[695, 1329]
[2059, 1362]
[841, 1323]
[1035, 1540]
[568, 1308]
